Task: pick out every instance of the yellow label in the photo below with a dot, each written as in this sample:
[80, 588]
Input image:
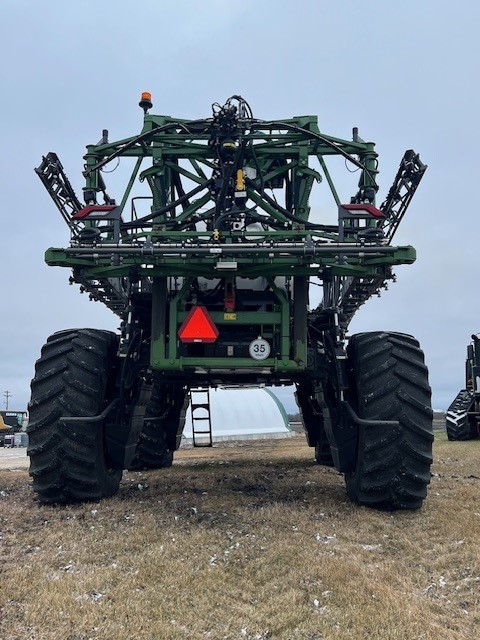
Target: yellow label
[229, 316]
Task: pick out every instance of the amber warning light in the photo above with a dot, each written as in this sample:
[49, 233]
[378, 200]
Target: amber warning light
[198, 327]
[145, 101]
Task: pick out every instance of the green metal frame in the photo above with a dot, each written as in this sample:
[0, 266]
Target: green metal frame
[180, 237]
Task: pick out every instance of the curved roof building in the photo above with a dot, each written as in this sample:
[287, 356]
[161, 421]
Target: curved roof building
[238, 414]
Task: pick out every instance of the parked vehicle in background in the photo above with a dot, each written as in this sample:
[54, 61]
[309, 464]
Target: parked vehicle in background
[462, 419]
[11, 422]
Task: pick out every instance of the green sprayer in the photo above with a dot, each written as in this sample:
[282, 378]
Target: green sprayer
[209, 258]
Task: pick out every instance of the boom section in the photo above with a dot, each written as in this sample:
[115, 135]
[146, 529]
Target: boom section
[223, 212]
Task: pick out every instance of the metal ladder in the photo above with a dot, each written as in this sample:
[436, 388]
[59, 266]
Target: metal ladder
[201, 419]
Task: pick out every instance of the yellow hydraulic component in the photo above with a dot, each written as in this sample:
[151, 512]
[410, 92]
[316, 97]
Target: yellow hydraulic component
[229, 145]
[240, 183]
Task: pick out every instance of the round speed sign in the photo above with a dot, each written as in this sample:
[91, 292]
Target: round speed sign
[259, 349]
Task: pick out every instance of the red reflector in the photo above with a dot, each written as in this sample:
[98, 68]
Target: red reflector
[102, 209]
[369, 208]
[198, 327]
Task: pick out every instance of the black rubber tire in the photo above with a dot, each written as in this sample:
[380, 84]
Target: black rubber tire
[313, 422]
[162, 414]
[459, 427]
[390, 379]
[73, 377]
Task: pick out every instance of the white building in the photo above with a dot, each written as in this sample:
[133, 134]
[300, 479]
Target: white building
[243, 413]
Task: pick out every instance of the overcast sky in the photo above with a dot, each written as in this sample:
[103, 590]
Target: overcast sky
[406, 73]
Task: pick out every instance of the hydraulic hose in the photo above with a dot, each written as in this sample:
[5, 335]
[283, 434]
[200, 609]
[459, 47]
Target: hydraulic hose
[287, 214]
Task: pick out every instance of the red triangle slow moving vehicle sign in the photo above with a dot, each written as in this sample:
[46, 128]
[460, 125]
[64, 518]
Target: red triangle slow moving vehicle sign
[198, 327]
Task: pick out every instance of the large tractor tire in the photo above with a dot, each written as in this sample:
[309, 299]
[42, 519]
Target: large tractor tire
[457, 423]
[390, 382]
[75, 376]
[162, 417]
[313, 424]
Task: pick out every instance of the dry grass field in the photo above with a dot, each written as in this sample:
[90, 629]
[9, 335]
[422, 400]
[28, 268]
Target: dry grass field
[250, 541]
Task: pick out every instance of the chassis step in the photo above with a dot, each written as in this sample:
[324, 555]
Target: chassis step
[201, 417]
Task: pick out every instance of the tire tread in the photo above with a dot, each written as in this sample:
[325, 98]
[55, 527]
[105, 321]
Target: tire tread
[391, 381]
[67, 462]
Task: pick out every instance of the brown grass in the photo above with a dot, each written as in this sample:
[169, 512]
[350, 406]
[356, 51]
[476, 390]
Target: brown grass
[251, 541]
